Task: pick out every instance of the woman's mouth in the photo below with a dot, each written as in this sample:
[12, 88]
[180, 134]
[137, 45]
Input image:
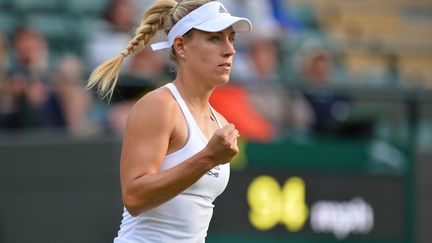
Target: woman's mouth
[227, 65]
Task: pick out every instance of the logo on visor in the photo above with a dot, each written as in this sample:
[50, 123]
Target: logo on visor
[222, 9]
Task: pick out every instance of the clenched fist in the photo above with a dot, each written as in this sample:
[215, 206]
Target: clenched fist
[222, 146]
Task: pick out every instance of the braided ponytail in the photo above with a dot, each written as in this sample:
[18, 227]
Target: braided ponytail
[161, 15]
[157, 17]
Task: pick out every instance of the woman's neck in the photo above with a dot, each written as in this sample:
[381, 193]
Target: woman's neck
[193, 92]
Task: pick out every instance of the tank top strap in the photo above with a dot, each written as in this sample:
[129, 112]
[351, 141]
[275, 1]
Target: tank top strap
[214, 115]
[193, 126]
[189, 118]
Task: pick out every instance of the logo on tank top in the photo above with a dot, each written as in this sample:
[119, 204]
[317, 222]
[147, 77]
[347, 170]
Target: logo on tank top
[214, 172]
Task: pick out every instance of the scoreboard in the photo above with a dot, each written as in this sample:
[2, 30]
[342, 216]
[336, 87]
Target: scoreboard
[320, 191]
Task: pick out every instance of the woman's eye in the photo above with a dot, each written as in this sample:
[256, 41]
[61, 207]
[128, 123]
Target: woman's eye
[215, 39]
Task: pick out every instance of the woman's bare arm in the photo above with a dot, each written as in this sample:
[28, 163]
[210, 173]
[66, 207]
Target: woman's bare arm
[148, 131]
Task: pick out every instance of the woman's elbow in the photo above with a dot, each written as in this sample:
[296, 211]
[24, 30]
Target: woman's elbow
[136, 204]
[132, 206]
[136, 201]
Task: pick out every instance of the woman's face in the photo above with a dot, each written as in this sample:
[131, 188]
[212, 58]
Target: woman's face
[209, 55]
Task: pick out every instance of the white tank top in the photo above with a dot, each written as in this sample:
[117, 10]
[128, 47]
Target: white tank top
[186, 217]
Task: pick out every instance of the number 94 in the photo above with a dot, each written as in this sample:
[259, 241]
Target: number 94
[270, 204]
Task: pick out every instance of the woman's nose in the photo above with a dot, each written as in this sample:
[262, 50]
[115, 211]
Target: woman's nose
[229, 49]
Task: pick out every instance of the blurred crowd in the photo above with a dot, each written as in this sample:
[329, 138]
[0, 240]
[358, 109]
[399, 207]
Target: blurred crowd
[39, 91]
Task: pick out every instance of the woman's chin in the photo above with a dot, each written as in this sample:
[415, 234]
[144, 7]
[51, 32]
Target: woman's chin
[223, 80]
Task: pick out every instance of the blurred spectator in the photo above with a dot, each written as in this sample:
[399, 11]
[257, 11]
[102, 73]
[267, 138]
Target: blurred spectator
[268, 96]
[331, 111]
[30, 99]
[111, 33]
[75, 101]
[316, 73]
[30, 53]
[263, 61]
[150, 67]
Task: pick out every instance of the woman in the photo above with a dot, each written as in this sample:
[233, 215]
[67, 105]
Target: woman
[176, 148]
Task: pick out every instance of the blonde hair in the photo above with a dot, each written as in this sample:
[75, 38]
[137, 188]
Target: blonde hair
[160, 16]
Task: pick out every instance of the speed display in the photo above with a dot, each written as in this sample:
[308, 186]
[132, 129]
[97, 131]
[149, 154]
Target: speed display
[331, 205]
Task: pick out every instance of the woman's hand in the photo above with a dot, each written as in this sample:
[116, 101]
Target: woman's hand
[222, 146]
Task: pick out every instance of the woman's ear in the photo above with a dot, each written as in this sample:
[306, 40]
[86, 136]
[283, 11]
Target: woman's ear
[179, 44]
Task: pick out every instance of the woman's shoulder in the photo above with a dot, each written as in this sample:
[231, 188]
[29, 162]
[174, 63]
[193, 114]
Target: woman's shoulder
[157, 104]
[159, 96]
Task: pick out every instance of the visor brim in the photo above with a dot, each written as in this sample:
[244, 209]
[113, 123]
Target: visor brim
[241, 25]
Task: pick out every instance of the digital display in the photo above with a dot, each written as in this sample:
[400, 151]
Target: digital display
[342, 206]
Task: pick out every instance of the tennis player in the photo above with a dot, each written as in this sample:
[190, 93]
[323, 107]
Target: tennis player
[176, 148]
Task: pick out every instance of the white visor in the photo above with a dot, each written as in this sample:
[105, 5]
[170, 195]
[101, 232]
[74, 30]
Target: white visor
[210, 17]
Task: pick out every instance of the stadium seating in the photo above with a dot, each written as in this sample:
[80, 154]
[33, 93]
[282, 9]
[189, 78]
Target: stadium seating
[371, 29]
[87, 7]
[36, 5]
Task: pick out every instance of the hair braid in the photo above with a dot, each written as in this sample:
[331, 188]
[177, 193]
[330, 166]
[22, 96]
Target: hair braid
[161, 15]
[155, 19]
[153, 22]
